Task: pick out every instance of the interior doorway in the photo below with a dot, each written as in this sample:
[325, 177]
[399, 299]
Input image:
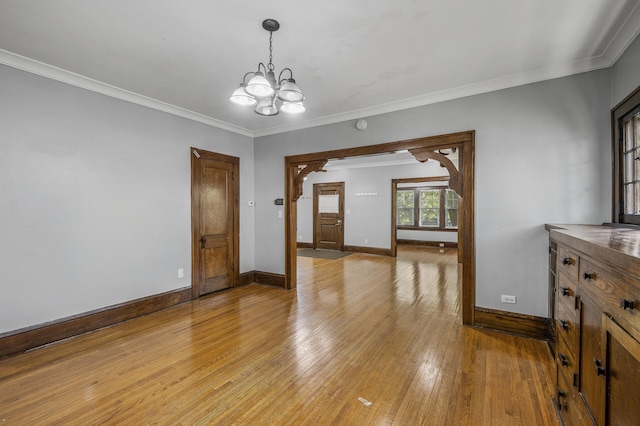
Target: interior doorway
[328, 215]
[297, 167]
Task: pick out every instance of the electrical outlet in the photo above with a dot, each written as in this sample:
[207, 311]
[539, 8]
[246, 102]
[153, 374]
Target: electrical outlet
[508, 299]
[366, 241]
[180, 273]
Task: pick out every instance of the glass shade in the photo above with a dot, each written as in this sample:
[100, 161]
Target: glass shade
[267, 106]
[290, 92]
[241, 97]
[259, 86]
[293, 107]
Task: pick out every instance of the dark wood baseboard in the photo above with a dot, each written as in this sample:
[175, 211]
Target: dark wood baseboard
[32, 337]
[510, 322]
[428, 243]
[246, 278]
[368, 250]
[268, 278]
[304, 245]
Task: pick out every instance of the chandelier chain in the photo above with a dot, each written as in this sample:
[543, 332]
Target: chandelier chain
[270, 66]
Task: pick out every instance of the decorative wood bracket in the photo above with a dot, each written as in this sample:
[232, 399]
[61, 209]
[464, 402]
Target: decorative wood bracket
[424, 154]
[303, 171]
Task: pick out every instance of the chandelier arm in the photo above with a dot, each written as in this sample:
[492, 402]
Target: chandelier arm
[263, 67]
[280, 79]
[244, 79]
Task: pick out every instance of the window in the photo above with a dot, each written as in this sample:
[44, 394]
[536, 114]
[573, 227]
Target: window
[426, 208]
[626, 164]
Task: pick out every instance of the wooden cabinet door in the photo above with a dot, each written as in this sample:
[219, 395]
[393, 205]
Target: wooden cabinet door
[622, 370]
[591, 376]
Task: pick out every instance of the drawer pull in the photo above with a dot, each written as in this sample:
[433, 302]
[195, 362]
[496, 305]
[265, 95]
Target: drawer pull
[600, 370]
[565, 291]
[589, 276]
[567, 261]
[563, 359]
[561, 394]
[627, 304]
[564, 324]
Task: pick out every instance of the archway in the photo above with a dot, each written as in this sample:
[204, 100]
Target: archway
[462, 181]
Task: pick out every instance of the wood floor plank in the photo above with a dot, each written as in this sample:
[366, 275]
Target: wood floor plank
[384, 329]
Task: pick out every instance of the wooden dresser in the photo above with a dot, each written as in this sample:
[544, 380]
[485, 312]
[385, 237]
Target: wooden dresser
[597, 324]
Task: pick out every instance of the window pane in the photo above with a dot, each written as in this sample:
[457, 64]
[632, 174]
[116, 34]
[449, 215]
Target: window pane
[636, 201]
[628, 167]
[404, 217]
[451, 220]
[628, 199]
[627, 130]
[430, 217]
[636, 134]
[452, 199]
[404, 199]
[451, 209]
[429, 198]
[329, 203]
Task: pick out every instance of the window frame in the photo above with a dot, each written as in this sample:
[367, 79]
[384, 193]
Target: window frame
[442, 209]
[620, 113]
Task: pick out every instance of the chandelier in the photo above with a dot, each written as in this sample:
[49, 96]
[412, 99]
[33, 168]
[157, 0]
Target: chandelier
[264, 91]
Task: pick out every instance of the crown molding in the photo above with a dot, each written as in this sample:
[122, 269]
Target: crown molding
[612, 52]
[557, 71]
[44, 70]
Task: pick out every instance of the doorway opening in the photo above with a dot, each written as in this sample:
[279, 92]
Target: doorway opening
[297, 167]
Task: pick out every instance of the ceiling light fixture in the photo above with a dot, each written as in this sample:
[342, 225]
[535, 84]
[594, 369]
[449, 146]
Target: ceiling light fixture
[263, 90]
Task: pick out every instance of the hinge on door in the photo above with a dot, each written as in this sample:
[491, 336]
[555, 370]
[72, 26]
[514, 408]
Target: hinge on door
[233, 267]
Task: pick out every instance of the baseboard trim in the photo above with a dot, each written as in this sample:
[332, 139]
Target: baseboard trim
[445, 244]
[268, 278]
[32, 337]
[511, 322]
[304, 245]
[246, 278]
[368, 250]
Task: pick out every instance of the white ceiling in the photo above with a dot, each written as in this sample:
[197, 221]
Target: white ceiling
[351, 58]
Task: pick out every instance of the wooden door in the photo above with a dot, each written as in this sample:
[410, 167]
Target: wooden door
[622, 372]
[591, 382]
[215, 221]
[328, 214]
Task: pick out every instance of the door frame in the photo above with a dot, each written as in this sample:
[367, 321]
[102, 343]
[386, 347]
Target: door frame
[195, 155]
[296, 167]
[315, 212]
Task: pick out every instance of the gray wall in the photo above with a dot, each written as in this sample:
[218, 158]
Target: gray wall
[626, 73]
[95, 201]
[367, 220]
[542, 155]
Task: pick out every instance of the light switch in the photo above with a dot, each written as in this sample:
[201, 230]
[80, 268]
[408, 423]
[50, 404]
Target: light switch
[180, 273]
[279, 214]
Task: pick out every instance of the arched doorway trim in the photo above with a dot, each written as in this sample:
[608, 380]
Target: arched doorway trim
[298, 166]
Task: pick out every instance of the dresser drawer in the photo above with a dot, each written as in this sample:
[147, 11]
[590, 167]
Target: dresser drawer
[567, 326]
[569, 404]
[618, 293]
[568, 263]
[567, 290]
[566, 358]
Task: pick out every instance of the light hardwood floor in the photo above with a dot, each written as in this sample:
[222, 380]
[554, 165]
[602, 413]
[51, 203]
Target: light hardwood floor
[382, 329]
